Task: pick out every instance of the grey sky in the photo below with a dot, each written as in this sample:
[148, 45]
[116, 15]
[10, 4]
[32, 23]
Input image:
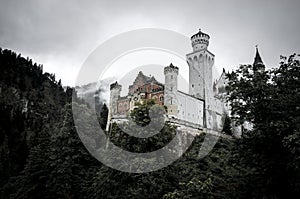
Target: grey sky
[61, 34]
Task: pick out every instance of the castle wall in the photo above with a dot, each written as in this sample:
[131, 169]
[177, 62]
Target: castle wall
[123, 106]
[200, 73]
[158, 97]
[190, 109]
[214, 114]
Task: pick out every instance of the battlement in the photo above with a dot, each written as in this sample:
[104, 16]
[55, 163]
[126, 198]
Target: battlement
[115, 86]
[171, 69]
[200, 40]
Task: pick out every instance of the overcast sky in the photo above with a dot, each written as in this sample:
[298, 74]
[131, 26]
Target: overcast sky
[60, 34]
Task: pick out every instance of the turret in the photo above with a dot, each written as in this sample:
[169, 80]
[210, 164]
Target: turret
[170, 93]
[200, 41]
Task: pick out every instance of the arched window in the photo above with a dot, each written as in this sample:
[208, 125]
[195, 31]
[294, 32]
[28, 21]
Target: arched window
[161, 98]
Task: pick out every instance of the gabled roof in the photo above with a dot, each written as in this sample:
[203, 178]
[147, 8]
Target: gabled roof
[146, 79]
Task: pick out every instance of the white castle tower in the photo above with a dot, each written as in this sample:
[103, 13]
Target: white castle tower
[170, 92]
[200, 63]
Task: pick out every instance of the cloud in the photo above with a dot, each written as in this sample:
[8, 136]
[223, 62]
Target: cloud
[62, 34]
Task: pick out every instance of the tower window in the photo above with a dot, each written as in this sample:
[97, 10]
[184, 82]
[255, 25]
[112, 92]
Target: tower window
[171, 76]
[192, 85]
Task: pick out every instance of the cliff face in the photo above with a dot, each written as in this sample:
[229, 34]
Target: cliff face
[30, 101]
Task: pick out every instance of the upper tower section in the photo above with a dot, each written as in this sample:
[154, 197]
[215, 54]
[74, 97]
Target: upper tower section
[200, 63]
[200, 41]
[171, 74]
[171, 69]
[170, 92]
[115, 86]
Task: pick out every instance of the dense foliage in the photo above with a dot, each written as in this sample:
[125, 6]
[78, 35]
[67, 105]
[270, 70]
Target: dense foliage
[270, 101]
[30, 102]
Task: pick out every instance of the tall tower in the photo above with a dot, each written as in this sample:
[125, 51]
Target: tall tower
[115, 91]
[200, 63]
[170, 92]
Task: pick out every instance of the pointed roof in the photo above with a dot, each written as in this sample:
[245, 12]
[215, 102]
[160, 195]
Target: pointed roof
[258, 63]
[172, 66]
[145, 79]
[257, 59]
[200, 33]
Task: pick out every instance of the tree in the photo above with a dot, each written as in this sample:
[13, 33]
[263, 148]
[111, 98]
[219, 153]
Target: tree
[215, 176]
[268, 100]
[30, 102]
[103, 116]
[58, 167]
[227, 129]
[71, 164]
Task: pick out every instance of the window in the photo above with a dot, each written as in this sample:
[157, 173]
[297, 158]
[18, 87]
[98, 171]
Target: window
[171, 88]
[171, 76]
[171, 100]
[192, 85]
[161, 98]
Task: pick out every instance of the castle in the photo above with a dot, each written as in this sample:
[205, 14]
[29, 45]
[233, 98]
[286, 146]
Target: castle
[202, 108]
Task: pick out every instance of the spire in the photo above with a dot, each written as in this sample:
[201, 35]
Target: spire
[258, 63]
[257, 59]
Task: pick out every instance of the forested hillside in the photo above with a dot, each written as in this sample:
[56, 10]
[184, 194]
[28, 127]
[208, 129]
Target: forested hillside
[33, 106]
[43, 157]
[30, 103]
